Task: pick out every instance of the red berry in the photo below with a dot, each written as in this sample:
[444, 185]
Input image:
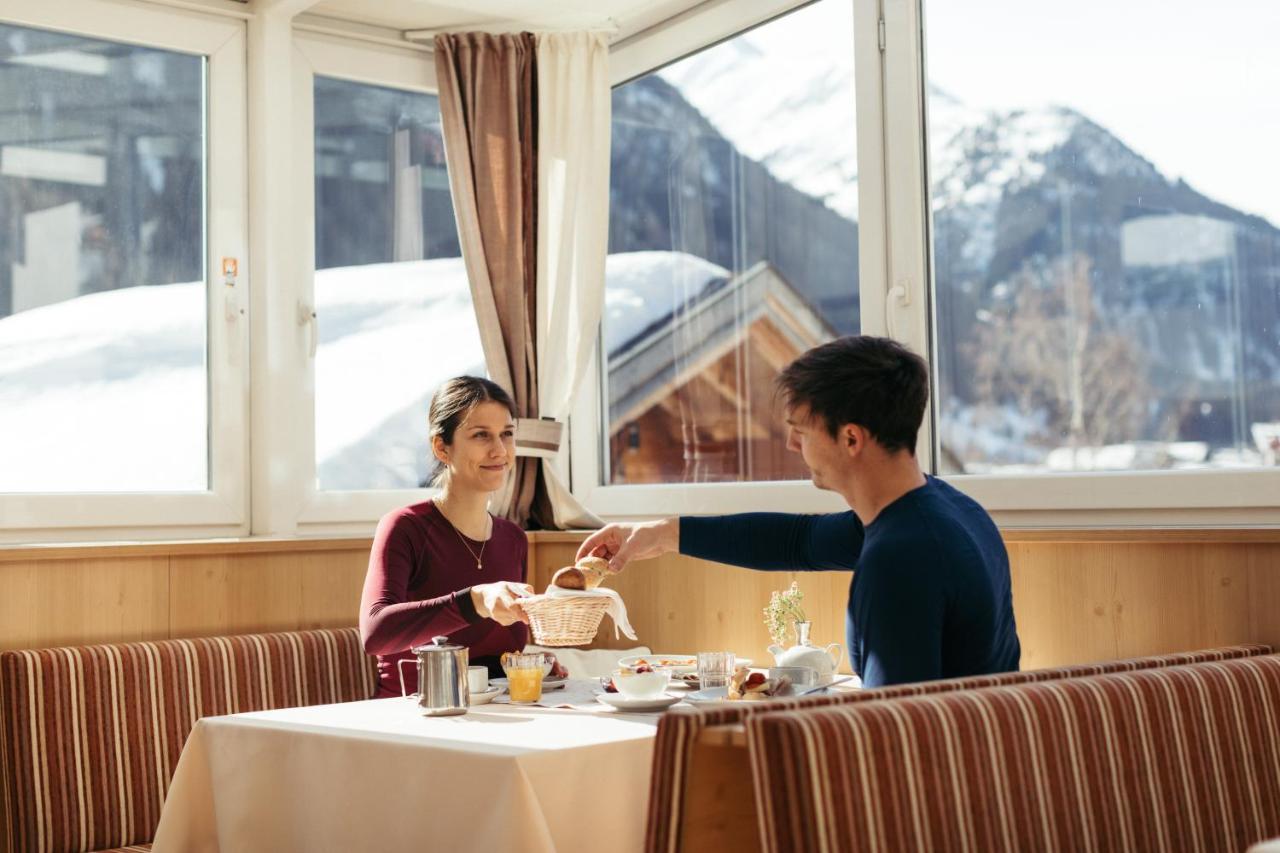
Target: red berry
[755, 678]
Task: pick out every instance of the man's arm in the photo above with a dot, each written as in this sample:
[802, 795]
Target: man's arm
[775, 541]
[762, 540]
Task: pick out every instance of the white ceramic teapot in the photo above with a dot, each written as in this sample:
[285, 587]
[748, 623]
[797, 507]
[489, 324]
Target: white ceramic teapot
[804, 653]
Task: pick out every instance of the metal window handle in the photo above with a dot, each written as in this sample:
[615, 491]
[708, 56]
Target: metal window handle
[307, 317]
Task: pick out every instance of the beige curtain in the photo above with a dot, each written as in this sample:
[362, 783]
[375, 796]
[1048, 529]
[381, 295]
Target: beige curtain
[488, 112]
[574, 101]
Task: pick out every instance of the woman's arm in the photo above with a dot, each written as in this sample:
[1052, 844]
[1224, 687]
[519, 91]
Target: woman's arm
[389, 623]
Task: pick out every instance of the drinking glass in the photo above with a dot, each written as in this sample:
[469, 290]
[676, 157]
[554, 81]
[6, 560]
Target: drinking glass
[524, 677]
[714, 669]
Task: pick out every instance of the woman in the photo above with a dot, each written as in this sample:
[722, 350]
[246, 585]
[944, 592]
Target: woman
[446, 566]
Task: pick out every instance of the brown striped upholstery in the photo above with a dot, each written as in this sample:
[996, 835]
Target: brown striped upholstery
[90, 735]
[1181, 758]
[679, 729]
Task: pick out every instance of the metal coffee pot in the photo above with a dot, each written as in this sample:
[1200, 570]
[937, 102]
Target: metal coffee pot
[442, 678]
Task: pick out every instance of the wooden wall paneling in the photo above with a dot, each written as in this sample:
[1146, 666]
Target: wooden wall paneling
[236, 594]
[1263, 566]
[330, 584]
[680, 605]
[70, 601]
[1062, 601]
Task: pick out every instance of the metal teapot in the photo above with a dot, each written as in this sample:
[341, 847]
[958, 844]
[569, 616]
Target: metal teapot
[442, 678]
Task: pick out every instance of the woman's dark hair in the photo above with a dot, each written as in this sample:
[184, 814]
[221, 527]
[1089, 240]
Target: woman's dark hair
[876, 383]
[451, 404]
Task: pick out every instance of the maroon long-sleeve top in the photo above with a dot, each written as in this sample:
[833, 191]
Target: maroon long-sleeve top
[421, 570]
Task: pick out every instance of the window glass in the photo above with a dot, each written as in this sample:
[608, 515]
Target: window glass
[733, 247]
[103, 374]
[392, 301]
[1105, 234]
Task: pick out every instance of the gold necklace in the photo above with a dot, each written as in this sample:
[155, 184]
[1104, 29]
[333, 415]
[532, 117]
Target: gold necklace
[479, 557]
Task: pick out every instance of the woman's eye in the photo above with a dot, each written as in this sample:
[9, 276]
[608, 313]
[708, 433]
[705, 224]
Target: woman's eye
[508, 434]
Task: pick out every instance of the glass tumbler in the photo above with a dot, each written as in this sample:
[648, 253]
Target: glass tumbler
[714, 669]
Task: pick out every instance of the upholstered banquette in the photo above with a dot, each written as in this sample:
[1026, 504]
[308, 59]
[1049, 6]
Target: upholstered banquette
[90, 735]
[685, 813]
[1178, 758]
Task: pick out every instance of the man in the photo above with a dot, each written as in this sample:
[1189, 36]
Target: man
[931, 594]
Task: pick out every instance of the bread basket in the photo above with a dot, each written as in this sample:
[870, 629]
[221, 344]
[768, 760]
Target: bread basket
[565, 620]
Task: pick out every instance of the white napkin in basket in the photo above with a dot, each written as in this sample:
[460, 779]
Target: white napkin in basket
[617, 610]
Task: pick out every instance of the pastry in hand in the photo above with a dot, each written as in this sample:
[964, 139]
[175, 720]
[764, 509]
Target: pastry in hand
[595, 569]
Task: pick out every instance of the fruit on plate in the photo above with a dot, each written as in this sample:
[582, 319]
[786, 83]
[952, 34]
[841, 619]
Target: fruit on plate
[754, 686]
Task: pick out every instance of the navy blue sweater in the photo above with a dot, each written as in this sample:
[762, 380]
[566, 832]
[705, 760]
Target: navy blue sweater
[930, 596]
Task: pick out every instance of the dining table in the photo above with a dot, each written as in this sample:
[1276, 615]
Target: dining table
[378, 775]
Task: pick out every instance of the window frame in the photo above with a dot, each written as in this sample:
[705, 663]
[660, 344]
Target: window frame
[663, 45]
[896, 250]
[1123, 498]
[407, 68]
[221, 510]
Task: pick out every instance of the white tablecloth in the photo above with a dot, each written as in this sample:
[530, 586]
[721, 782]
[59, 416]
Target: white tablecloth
[378, 776]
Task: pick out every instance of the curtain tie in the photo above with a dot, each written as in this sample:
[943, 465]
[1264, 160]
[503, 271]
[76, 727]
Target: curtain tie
[538, 437]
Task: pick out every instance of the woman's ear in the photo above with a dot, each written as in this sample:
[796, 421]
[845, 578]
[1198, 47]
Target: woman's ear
[440, 449]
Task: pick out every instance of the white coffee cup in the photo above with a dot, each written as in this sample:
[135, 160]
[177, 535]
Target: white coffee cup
[478, 679]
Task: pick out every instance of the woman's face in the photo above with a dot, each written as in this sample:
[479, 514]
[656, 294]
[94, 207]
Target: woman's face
[483, 448]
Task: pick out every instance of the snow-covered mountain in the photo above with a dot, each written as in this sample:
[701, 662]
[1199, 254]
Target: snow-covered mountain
[1194, 284]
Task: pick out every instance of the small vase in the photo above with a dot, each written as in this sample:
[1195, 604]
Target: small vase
[802, 633]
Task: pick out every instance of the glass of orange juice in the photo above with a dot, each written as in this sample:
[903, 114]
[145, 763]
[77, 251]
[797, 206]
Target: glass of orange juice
[524, 676]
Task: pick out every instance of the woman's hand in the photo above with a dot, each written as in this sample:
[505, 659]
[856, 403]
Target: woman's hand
[501, 601]
[622, 543]
[557, 668]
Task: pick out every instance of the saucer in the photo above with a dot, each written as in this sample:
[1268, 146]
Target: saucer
[487, 696]
[622, 703]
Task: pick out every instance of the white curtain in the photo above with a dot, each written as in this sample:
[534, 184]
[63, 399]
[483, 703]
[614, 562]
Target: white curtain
[573, 230]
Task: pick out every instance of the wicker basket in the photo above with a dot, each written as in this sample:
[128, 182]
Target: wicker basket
[570, 620]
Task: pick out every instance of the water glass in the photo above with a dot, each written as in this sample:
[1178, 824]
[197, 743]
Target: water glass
[714, 669]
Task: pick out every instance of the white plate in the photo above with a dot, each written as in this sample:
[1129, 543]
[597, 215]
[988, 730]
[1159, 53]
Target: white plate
[622, 703]
[710, 694]
[551, 682]
[721, 694]
[657, 660]
[487, 696]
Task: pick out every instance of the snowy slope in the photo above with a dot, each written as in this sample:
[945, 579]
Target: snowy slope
[107, 392]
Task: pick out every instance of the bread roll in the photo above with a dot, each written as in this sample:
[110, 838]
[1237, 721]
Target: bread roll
[596, 569]
[570, 577]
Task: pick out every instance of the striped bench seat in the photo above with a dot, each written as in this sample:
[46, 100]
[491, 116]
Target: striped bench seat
[676, 776]
[90, 735]
[1179, 758]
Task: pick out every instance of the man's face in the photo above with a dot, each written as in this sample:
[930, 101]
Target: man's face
[826, 459]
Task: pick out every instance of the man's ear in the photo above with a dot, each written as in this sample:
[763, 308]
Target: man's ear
[853, 439]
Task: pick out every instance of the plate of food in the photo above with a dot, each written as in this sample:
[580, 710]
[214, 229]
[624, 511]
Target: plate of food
[676, 664]
[551, 682]
[744, 686]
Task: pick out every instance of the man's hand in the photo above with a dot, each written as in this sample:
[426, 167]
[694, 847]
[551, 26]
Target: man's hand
[501, 601]
[622, 543]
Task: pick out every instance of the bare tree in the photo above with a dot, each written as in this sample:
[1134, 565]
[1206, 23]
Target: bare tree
[1049, 350]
